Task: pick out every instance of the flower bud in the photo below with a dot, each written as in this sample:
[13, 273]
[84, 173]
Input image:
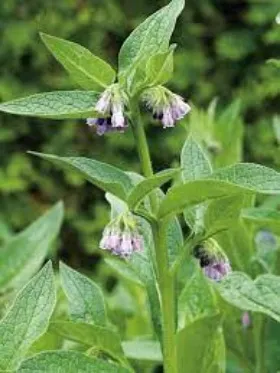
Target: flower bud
[246, 320]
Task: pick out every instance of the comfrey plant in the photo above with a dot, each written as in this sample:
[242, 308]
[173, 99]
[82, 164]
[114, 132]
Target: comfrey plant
[200, 300]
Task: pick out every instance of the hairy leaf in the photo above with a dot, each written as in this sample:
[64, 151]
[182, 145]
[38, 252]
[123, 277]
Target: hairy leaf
[54, 105]
[151, 37]
[142, 350]
[68, 361]
[89, 71]
[27, 319]
[104, 176]
[86, 301]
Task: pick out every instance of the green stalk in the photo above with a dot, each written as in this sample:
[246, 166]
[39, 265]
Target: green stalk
[164, 278]
[259, 339]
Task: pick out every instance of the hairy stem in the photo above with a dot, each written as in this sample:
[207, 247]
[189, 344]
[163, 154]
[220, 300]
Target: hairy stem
[165, 280]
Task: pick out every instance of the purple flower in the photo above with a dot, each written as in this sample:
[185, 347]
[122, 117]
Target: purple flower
[165, 105]
[217, 270]
[122, 238]
[246, 320]
[111, 106]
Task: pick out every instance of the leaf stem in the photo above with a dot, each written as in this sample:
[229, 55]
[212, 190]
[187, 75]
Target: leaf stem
[259, 338]
[165, 280]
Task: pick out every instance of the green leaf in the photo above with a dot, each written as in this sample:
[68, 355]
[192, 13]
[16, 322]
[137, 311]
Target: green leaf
[261, 295]
[48, 341]
[142, 189]
[195, 165]
[68, 362]
[263, 218]
[89, 71]
[23, 254]
[104, 176]
[86, 301]
[27, 319]
[201, 348]
[124, 270]
[159, 69]
[194, 162]
[149, 38]
[142, 350]
[193, 193]
[254, 177]
[102, 339]
[54, 105]
[222, 213]
[197, 300]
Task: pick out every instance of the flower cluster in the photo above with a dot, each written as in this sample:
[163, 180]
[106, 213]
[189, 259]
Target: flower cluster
[111, 107]
[166, 106]
[122, 237]
[213, 261]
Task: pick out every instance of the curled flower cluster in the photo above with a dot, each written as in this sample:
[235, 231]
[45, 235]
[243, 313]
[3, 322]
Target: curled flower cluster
[166, 106]
[213, 261]
[122, 237]
[111, 107]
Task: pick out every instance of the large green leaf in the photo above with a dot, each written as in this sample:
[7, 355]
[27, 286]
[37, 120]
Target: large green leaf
[159, 69]
[222, 213]
[54, 105]
[23, 254]
[89, 71]
[142, 189]
[86, 301]
[250, 176]
[142, 350]
[68, 362]
[151, 37]
[104, 176]
[194, 161]
[27, 319]
[201, 348]
[101, 338]
[195, 165]
[193, 193]
[261, 295]
[197, 299]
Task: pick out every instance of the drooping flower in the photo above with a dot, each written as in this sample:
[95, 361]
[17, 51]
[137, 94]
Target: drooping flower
[122, 237]
[213, 261]
[111, 107]
[166, 106]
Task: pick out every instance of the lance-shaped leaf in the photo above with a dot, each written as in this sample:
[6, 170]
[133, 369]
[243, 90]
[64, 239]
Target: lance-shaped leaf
[54, 105]
[152, 36]
[86, 301]
[27, 319]
[104, 176]
[222, 213]
[255, 177]
[195, 165]
[194, 162]
[89, 71]
[274, 62]
[239, 178]
[159, 69]
[201, 347]
[142, 189]
[261, 295]
[23, 254]
[193, 193]
[68, 361]
[100, 338]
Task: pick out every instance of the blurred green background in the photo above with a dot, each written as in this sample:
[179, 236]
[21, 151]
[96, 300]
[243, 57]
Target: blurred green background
[222, 51]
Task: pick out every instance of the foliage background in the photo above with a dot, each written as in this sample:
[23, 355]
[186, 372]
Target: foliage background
[222, 49]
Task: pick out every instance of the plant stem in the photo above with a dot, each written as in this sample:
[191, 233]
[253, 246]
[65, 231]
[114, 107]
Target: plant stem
[259, 338]
[168, 301]
[165, 280]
